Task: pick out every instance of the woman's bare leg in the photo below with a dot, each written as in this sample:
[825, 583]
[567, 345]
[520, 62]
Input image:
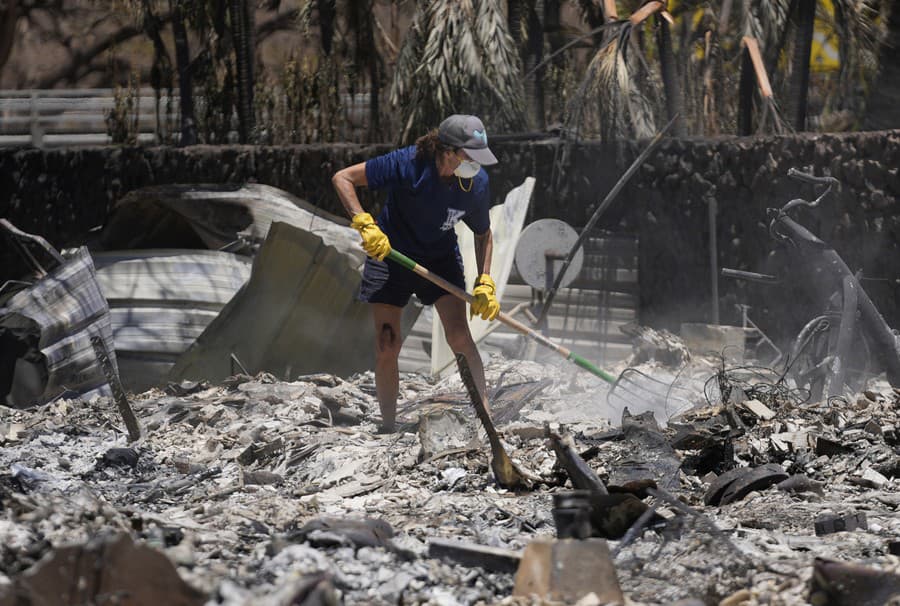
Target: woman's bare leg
[387, 350]
[452, 312]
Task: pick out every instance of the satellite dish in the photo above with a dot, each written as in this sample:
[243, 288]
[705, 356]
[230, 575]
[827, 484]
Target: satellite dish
[542, 248]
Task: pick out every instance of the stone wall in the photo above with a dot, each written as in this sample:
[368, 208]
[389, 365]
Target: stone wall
[61, 194]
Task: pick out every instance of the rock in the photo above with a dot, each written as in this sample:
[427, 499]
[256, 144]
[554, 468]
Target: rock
[121, 457]
[262, 478]
[392, 591]
[874, 479]
[801, 483]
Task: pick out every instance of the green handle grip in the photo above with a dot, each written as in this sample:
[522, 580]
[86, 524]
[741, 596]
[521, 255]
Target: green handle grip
[588, 366]
[400, 258]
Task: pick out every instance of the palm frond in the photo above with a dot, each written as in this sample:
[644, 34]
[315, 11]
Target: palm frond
[503, 74]
[611, 100]
[764, 20]
[458, 57]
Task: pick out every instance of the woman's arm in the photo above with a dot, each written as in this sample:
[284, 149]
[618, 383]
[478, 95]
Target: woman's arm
[484, 250]
[345, 182]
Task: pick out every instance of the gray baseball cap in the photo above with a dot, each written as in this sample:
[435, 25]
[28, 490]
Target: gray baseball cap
[467, 132]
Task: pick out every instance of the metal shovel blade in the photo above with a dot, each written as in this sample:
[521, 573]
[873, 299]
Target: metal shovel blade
[508, 474]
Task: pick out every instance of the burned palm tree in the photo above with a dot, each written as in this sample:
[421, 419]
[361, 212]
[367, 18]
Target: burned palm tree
[764, 27]
[347, 34]
[458, 57]
[883, 110]
[185, 84]
[670, 76]
[241, 13]
[526, 20]
[798, 86]
[9, 16]
[614, 99]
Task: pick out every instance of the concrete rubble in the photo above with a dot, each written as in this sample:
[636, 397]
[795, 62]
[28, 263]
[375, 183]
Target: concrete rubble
[261, 491]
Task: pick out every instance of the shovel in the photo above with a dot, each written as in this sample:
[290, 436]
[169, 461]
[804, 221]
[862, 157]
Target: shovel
[632, 388]
[508, 474]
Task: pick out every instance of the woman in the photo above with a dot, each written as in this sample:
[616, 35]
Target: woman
[430, 186]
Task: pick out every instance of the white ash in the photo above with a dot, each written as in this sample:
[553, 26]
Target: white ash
[56, 489]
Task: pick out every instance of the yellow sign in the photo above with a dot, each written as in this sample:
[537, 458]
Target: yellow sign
[824, 53]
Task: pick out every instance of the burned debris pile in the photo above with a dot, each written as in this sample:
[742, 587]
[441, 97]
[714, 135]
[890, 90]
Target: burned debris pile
[262, 491]
[251, 470]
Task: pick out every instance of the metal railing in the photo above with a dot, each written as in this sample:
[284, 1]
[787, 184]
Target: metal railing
[76, 117]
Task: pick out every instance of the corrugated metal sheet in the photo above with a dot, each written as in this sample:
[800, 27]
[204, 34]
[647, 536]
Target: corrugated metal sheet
[69, 308]
[164, 299]
[161, 301]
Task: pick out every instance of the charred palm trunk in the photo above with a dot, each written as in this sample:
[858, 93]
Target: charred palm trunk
[326, 23]
[242, 32]
[534, 53]
[798, 88]
[9, 16]
[161, 71]
[671, 84]
[883, 110]
[553, 28]
[745, 95]
[185, 86]
[515, 10]
[371, 58]
[365, 59]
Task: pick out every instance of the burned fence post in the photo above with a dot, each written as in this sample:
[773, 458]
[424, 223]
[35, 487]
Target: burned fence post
[112, 377]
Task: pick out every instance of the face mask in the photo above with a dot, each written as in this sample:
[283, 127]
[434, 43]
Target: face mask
[467, 169]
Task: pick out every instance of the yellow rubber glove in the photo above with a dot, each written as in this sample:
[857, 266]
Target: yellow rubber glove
[374, 242]
[484, 301]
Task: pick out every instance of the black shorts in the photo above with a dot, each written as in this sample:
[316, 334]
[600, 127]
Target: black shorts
[390, 283]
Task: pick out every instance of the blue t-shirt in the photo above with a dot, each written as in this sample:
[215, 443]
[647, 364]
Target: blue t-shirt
[421, 208]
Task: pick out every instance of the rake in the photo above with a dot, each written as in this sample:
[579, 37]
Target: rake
[631, 388]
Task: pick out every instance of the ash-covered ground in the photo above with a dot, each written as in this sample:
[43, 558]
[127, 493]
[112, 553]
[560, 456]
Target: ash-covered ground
[228, 477]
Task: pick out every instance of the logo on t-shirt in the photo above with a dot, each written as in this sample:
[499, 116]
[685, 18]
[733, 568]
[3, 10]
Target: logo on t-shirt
[453, 217]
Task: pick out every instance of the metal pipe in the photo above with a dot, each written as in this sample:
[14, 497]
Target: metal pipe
[883, 338]
[713, 208]
[846, 336]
